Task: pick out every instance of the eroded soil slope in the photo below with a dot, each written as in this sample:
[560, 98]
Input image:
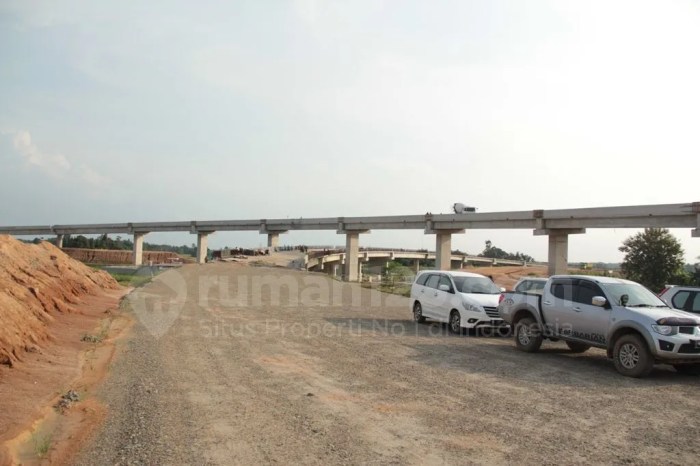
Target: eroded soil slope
[38, 283]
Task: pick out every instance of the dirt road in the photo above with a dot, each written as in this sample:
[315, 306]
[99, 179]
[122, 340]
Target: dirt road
[230, 364]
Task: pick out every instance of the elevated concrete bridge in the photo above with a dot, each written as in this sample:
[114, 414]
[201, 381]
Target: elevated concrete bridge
[331, 262]
[556, 224]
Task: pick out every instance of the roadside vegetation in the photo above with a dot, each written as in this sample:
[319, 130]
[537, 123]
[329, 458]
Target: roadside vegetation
[133, 279]
[494, 252]
[120, 244]
[395, 279]
[654, 258]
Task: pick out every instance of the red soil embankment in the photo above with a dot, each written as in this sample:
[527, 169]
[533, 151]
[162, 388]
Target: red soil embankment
[118, 257]
[508, 276]
[37, 283]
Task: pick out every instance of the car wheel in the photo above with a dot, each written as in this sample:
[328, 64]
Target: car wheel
[528, 335]
[632, 357]
[418, 313]
[577, 347]
[455, 324]
[688, 369]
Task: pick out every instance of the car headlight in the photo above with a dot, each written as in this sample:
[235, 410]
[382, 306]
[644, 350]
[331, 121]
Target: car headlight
[665, 329]
[472, 307]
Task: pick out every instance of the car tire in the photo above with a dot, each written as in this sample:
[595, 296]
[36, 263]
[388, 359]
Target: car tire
[577, 347]
[418, 313]
[632, 357]
[528, 335]
[455, 323]
[687, 369]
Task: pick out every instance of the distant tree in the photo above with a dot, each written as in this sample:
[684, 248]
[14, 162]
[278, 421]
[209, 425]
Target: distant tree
[653, 258]
[497, 253]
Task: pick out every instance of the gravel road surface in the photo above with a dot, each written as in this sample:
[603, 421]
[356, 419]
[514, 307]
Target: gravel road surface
[231, 364]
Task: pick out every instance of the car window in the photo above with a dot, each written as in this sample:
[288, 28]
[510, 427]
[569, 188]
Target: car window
[433, 281]
[563, 289]
[445, 281]
[696, 303]
[679, 299]
[422, 279]
[477, 285]
[585, 291]
[533, 286]
[522, 286]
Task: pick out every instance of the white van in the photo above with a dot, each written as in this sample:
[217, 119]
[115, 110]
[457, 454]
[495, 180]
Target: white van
[462, 299]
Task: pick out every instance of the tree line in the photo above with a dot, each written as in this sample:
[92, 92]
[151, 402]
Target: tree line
[119, 243]
[494, 252]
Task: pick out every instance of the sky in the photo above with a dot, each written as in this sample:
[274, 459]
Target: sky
[114, 111]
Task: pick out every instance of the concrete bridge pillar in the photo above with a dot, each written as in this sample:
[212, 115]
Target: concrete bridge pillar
[443, 244]
[273, 239]
[273, 236]
[352, 259]
[443, 250]
[558, 254]
[416, 265]
[202, 246]
[558, 248]
[332, 269]
[59, 241]
[138, 248]
[351, 268]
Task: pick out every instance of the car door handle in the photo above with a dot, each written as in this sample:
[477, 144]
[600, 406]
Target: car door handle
[577, 309]
[435, 294]
[422, 291]
[547, 303]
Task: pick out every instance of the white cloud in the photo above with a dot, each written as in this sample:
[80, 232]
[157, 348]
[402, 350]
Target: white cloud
[54, 165]
[92, 177]
[51, 164]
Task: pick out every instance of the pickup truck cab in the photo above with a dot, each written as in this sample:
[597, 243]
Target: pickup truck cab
[632, 324]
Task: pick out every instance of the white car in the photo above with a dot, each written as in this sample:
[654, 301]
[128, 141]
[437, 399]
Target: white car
[686, 298]
[464, 300]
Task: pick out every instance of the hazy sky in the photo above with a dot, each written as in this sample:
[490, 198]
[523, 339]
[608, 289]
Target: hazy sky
[179, 110]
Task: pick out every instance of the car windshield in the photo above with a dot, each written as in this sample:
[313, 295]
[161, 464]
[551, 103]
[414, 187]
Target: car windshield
[477, 285]
[637, 295]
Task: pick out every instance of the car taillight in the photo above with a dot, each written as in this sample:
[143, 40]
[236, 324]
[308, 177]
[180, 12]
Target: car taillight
[663, 291]
[501, 298]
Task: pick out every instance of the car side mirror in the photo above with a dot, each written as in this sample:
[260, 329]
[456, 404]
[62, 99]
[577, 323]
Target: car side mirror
[444, 288]
[599, 301]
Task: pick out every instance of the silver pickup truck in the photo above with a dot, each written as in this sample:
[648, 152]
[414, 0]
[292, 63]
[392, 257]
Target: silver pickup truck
[635, 327]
